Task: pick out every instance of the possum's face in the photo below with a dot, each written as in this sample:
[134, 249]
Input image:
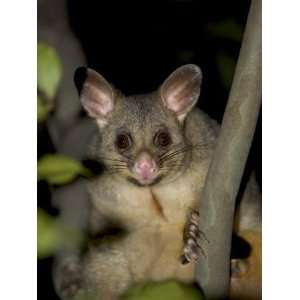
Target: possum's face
[142, 137]
[143, 142]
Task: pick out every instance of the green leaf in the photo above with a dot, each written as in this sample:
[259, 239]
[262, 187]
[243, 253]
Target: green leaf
[49, 70]
[42, 110]
[227, 29]
[48, 235]
[168, 290]
[59, 169]
[52, 235]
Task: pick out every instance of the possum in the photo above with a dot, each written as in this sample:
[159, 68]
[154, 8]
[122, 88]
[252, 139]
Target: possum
[155, 150]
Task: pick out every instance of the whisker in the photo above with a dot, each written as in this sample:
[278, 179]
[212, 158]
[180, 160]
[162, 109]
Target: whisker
[199, 146]
[169, 156]
[114, 171]
[175, 153]
[111, 159]
[168, 168]
[117, 165]
[166, 156]
[171, 151]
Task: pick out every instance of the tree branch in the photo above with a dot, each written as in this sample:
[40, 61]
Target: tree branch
[227, 166]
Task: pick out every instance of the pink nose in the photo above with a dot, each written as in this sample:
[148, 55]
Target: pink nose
[145, 166]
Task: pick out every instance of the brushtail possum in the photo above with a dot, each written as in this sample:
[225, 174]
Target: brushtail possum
[155, 149]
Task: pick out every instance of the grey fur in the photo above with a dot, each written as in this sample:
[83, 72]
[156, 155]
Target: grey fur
[154, 243]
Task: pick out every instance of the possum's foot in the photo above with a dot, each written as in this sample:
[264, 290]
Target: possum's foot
[192, 238]
[71, 280]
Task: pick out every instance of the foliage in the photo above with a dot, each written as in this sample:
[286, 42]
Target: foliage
[168, 290]
[48, 234]
[59, 169]
[49, 70]
[56, 169]
[51, 235]
[42, 110]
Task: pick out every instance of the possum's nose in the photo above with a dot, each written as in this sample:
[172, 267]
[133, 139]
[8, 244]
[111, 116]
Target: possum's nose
[145, 167]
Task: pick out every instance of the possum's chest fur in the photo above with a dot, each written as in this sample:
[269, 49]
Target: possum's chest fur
[136, 207]
[155, 219]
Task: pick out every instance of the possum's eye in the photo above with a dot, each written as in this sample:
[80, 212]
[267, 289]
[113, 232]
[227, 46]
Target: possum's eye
[123, 141]
[162, 139]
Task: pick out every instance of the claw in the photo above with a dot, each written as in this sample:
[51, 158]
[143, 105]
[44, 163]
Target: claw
[193, 238]
[183, 259]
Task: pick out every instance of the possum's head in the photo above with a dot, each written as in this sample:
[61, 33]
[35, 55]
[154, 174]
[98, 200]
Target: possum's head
[142, 137]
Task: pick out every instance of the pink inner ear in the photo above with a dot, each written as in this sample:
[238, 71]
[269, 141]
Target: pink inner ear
[97, 103]
[181, 90]
[175, 103]
[180, 99]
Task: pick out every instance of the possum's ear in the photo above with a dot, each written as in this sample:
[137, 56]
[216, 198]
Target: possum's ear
[181, 90]
[96, 94]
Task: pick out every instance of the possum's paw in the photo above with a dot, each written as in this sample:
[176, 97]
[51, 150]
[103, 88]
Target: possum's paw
[192, 239]
[71, 280]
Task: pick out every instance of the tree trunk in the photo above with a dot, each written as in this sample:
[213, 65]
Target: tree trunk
[227, 166]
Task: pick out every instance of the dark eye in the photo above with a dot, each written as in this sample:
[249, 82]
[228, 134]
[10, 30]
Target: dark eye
[162, 139]
[123, 141]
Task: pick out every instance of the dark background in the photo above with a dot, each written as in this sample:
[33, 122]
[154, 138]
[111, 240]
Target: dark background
[137, 44]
